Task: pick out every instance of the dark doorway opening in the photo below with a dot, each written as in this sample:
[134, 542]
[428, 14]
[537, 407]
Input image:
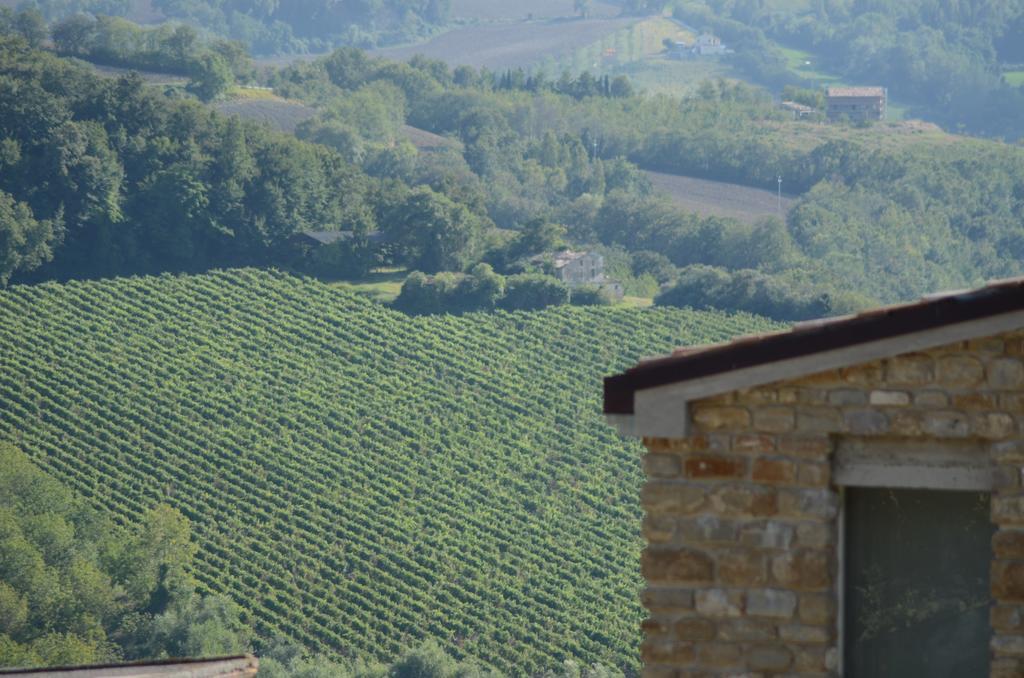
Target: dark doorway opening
[917, 583]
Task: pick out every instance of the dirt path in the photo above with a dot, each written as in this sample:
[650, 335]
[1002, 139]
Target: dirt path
[720, 199]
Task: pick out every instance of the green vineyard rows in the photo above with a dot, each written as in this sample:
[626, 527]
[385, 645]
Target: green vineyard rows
[356, 479]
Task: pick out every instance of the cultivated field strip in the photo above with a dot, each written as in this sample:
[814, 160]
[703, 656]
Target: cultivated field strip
[357, 479]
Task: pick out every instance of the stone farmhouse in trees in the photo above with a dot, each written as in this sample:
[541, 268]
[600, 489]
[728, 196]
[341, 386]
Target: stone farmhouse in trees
[705, 45]
[578, 269]
[856, 103]
[843, 498]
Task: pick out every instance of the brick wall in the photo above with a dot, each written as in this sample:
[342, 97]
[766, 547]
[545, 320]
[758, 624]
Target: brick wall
[740, 521]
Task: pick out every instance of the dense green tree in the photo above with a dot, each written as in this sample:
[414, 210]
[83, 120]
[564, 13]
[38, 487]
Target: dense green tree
[531, 291]
[433, 233]
[25, 243]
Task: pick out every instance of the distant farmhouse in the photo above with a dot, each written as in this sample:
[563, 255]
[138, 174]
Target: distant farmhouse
[579, 269]
[705, 45]
[799, 111]
[856, 103]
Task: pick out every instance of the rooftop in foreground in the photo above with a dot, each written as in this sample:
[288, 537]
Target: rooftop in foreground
[820, 345]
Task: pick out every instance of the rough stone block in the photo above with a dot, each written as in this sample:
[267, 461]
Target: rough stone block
[1008, 581]
[720, 418]
[975, 400]
[866, 422]
[676, 566]
[1009, 452]
[1006, 374]
[672, 445]
[1006, 667]
[821, 504]
[715, 467]
[773, 603]
[743, 500]
[662, 465]
[663, 598]
[719, 603]
[719, 655]
[767, 535]
[890, 398]
[706, 529]
[672, 498]
[1008, 544]
[817, 609]
[866, 373]
[814, 475]
[695, 629]
[658, 651]
[798, 633]
[659, 672]
[803, 570]
[844, 397]
[811, 660]
[808, 447]
[959, 371]
[945, 424]
[658, 529]
[741, 568]
[993, 425]
[1006, 479]
[1008, 510]
[748, 630]
[931, 399]
[1007, 646]
[1007, 619]
[1012, 402]
[910, 370]
[815, 535]
[818, 420]
[752, 443]
[774, 419]
[774, 471]
[769, 658]
[905, 423]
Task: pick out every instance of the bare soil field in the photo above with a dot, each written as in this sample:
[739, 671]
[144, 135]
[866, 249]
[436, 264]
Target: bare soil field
[498, 46]
[428, 141]
[720, 199]
[279, 114]
[503, 10]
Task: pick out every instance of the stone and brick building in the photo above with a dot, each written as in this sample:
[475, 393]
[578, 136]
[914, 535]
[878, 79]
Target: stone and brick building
[844, 498]
[856, 103]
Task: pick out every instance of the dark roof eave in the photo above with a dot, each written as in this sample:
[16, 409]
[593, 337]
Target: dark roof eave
[886, 323]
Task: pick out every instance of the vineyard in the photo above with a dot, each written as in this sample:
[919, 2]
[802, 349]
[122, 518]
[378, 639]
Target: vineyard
[357, 479]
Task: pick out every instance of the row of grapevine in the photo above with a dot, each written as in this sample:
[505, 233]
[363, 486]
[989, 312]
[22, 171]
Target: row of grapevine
[357, 479]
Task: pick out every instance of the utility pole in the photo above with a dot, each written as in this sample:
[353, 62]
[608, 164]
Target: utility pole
[780, 195]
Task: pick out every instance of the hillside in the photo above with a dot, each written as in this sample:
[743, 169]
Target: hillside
[356, 478]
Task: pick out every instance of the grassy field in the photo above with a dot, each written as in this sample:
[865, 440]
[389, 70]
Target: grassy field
[717, 198]
[503, 10]
[1014, 78]
[264, 106]
[382, 285]
[356, 479]
[660, 75]
[510, 45]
